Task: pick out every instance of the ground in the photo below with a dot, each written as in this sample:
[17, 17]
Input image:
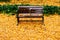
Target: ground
[34, 2]
[29, 31]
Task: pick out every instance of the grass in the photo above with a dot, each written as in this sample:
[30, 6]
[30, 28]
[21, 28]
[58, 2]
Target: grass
[12, 9]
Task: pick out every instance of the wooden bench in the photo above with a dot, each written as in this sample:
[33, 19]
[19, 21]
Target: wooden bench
[30, 12]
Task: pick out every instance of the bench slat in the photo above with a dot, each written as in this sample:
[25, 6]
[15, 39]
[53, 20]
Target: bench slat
[30, 20]
[30, 16]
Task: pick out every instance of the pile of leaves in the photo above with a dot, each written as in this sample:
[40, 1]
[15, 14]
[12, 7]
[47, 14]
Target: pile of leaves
[12, 9]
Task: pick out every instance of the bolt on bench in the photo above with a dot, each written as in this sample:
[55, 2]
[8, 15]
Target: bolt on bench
[30, 12]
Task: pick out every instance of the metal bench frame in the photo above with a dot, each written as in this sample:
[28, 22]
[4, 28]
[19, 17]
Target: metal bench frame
[18, 12]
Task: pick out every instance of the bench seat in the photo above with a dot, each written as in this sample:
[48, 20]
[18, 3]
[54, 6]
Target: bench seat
[30, 14]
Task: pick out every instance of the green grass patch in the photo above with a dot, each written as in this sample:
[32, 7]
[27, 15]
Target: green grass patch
[4, 0]
[12, 9]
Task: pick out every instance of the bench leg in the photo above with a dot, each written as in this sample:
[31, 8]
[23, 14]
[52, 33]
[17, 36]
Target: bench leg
[17, 18]
[17, 21]
[43, 21]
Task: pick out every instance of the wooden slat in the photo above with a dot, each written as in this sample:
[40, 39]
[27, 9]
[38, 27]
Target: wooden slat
[36, 14]
[24, 14]
[30, 6]
[30, 16]
[30, 20]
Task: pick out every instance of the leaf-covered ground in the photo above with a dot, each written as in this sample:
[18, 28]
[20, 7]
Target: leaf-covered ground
[34, 2]
[30, 30]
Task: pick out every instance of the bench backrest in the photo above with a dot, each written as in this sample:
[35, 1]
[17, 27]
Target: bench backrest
[30, 9]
